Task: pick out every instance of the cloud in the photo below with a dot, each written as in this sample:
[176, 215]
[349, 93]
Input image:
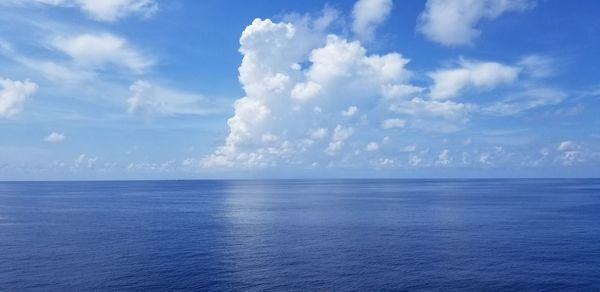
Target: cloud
[372, 146]
[304, 91]
[13, 95]
[392, 91]
[313, 96]
[444, 158]
[350, 111]
[523, 84]
[568, 145]
[571, 153]
[116, 9]
[433, 115]
[55, 137]
[482, 75]
[416, 159]
[393, 123]
[297, 104]
[454, 22]
[99, 51]
[526, 100]
[408, 148]
[341, 61]
[567, 153]
[537, 66]
[340, 134]
[58, 72]
[367, 15]
[566, 111]
[151, 99]
[317, 134]
[85, 161]
[50, 69]
[421, 108]
[105, 10]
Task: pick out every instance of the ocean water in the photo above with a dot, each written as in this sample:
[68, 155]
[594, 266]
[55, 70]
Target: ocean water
[301, 235]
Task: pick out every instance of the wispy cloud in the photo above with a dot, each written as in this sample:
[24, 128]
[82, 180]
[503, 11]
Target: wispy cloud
[112, 10]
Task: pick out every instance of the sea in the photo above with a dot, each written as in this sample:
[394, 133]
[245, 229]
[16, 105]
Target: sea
[301, 235]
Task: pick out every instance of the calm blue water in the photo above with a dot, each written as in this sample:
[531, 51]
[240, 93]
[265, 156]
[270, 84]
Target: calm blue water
[343, 235]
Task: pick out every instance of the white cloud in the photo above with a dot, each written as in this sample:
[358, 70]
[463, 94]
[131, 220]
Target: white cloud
[568, 145]
[115, 9]
[383, 162]
[567, 153]
[433, 115]
[372, 146]
[454, 22]
[449, 110]
[317, 134]
[525, 100]
[298, 103]
[443, 158]
[103, 10]
[152, 99]
[367, 15]
[334, 147]
[85, 161]
[13, 95]
[268, 138]
[101, 50]
[305, 91]
[571, 153]
[350, 111]
[340, 63]
[408, 148]
[400, 90]
[393, 123]
[415, 159]
[55, 137]
[340, 134]
[524, 94]
[52, 70]
[188, 162]
[302, 84]
[485, 159]
[482, 75]
[537, 66]
[58, 72]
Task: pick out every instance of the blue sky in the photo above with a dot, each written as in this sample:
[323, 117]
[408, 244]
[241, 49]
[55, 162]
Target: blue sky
[150, 89]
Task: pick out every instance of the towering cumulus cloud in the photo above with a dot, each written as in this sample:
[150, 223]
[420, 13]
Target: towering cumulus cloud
[318, 99]
[308, 95]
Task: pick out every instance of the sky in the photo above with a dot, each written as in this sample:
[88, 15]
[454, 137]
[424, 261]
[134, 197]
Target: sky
[175, 89]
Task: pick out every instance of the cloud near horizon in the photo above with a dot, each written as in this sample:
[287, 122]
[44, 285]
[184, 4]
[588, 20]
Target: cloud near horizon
[313, 97]
[347, 89]
[284, 101]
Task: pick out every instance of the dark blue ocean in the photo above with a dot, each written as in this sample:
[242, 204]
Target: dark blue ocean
[301, 235]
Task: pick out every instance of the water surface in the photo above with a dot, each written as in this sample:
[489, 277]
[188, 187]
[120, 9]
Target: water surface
[301, 235]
